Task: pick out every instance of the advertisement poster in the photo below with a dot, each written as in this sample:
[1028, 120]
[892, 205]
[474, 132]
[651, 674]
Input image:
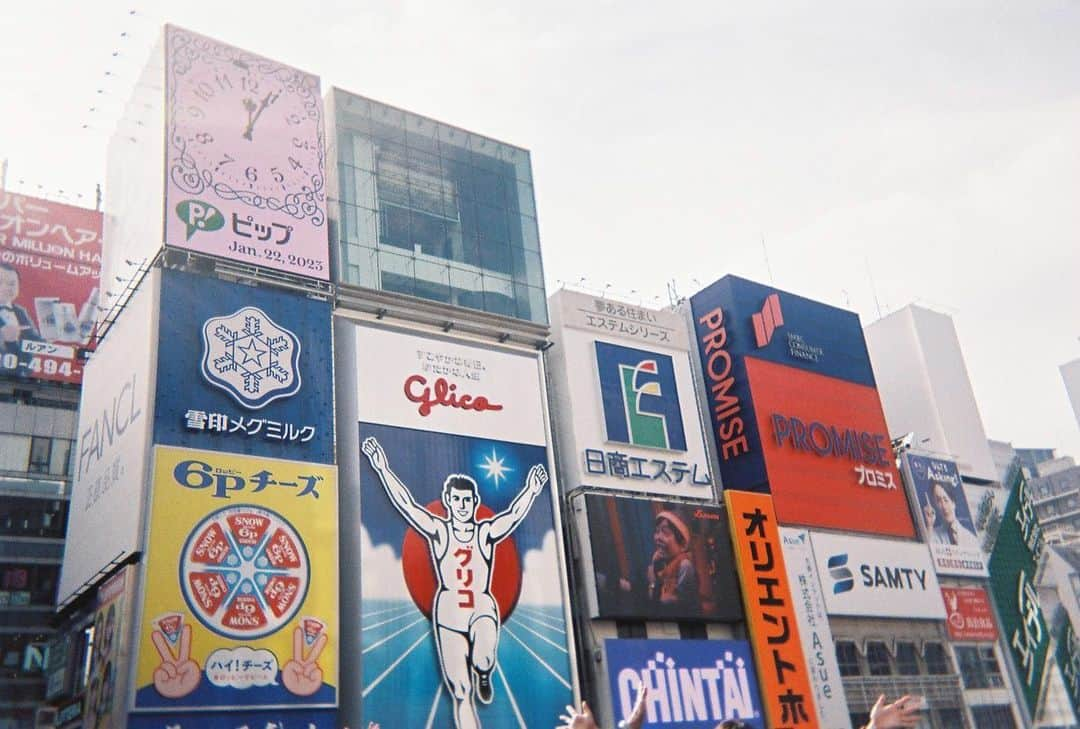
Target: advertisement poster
[693, 684]
[244, 157]
[248, 370]
[240, 610]
[968, 614]
[1013, 565]
[105, 691]
[735, 320]
[881, 578]
[827, 452]
[1067, 656]
[945, 516]
[461, 614]
[112, 450]
[771, 618]
[655, 560]
[50, 270]
[642, 432]
[814, 629]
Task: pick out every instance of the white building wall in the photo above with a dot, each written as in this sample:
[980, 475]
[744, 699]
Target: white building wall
[1070, 373]
[925, 387]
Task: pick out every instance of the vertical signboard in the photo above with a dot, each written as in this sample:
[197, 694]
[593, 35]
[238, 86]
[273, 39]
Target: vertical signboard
[103, 704]
[969, 616]
[658, 560]
[461, 613]
[50, 269]
[945, 516]
[817, 640]
[244, 370]
[112, 450]
[1013, 565]
[692, 684]
[770, 612]
[240, 606]
[635, 424]
[244, 157]
[1067, 656]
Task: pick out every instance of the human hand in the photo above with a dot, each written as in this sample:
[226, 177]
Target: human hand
[537, 478]
[302, 676]
[575, 719]
[637, 714]
[901, 714]
[177, 675]
[375, 453]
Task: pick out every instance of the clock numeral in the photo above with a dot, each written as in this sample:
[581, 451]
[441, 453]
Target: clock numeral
[195, 112]
[276, 174]
[222, 163]
[294, 119]
[204, 137]
[249, 84]
[223, 81]
[295, 163]
[204, 91]
[301, 143]
[251, 174]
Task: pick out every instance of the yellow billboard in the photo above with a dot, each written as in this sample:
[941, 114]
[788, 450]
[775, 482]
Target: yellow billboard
[240, 604]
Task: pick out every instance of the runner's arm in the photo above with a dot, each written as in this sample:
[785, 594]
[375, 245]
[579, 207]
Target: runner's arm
[419, 517]
[506, 522]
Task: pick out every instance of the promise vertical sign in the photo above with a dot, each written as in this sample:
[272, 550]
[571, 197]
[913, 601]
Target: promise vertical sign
[770, 612]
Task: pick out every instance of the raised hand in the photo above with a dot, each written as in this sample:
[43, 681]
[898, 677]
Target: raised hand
[577, 718]
[537, 478]
[177, 675]
[302, 675]
[901, 714]
[375, 453]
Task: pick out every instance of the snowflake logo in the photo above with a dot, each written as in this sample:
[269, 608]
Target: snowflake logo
[252, 358]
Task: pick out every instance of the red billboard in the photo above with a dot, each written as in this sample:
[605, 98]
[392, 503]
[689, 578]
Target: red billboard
[969, 616]
[827, 453]
[50, 266]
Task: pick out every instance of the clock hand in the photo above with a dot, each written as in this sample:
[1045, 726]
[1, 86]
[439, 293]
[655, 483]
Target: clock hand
[269, 99]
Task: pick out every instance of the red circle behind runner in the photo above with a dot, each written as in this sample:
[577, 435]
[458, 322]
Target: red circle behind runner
[419, 572]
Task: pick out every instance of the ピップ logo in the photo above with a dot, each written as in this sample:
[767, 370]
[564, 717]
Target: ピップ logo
[768, 320]
[640, 398]
[843, 580]
[198, 215]
[250, 357]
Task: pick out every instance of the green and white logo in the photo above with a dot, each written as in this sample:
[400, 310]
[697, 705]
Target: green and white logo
[198, 215]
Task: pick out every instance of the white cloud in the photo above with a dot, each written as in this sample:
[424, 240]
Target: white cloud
[380, 571]
[540, 583]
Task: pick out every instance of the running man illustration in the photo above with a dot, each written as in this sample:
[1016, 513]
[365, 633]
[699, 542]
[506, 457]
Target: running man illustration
[465, 617]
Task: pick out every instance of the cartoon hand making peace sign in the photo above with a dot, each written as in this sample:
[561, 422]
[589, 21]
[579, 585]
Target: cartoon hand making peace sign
[302, 676]
[177, 675]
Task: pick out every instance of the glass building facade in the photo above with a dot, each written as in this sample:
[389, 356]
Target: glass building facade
[430, 210]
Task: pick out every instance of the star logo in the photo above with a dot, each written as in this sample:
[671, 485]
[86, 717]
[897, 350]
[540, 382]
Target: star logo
[251, 357]
[495, 468]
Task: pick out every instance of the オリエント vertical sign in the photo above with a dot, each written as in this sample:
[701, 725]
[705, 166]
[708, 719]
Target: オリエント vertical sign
[771, 621]
[244, 157]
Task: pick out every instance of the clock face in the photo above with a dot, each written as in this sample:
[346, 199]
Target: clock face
[245, 156]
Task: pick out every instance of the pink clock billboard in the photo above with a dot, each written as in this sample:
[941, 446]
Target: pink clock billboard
[244, 157]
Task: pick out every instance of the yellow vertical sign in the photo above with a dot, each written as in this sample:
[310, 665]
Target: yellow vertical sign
[240, 604]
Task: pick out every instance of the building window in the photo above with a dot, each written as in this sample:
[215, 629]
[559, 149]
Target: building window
[693, 631]
[60, 458]
[877, 658]
[847, 657]
[993, 717]
[40, 451]
[907, 660]
[937, 663]
[630, 628]
[979, 667]
[14, 452]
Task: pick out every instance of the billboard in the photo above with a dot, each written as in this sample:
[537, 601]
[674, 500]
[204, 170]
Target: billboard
[634, 424]
[112, 449]
[817, 639]
[1067, 656]
[461, 619]
[1013, 565]
[103, 703]
[240, 605]
[693, 684]
[735, 319]
[880, 578]
[657, 560]
[50, 270]
[244, 369]
[968, 614]
[827, 452]
[771, 618]
[946, 518]
[244, 157]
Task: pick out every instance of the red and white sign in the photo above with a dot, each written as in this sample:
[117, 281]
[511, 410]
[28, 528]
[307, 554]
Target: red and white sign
[437, 385]
[968, 614]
